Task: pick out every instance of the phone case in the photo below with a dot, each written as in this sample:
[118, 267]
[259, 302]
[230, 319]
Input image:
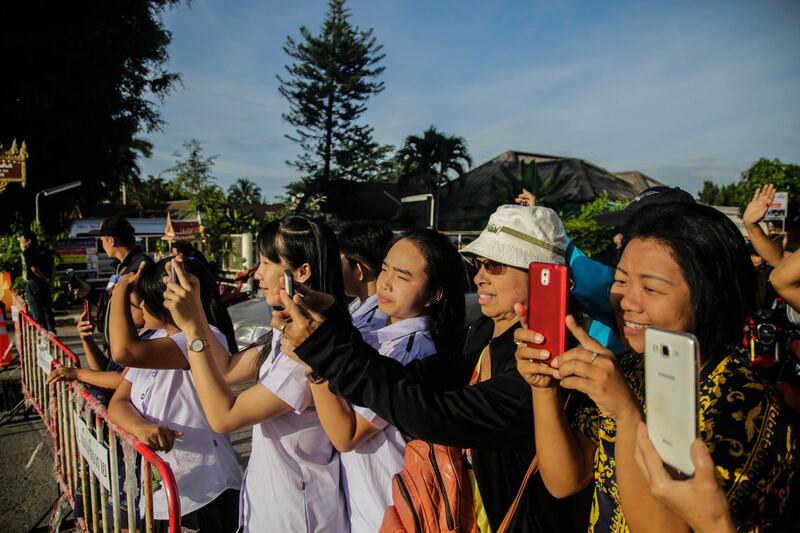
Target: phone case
[288, 282]
[548, 296]
[671, 363]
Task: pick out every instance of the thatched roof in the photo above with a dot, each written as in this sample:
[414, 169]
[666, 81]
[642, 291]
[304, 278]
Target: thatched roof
[583, 182]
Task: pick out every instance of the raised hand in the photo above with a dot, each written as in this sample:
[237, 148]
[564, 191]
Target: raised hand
[592, 369]
[699, 500]
[85, 327]
[182, 297]
[757, 209]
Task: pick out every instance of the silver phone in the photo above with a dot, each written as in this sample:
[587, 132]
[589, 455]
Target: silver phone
[288, 286]
[671, 363]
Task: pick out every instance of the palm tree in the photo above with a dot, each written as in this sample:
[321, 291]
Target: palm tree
[507, 185]
[431, 160]
[244, 192]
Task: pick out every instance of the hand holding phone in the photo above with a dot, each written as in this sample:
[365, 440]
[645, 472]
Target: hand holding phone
[288, 286]
[548, 296]
[671, 364]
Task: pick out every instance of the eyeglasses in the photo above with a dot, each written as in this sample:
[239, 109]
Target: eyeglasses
[491, 267]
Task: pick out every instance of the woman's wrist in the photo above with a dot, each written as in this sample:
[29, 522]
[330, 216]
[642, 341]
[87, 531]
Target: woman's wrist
[197, 331]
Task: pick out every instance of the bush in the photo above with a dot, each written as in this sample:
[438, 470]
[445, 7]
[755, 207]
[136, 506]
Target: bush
[588, 235]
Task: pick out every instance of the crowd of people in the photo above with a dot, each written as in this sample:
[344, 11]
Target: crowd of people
[372, 351]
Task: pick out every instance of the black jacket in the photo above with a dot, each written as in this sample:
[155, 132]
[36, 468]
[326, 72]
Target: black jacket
[431, 399]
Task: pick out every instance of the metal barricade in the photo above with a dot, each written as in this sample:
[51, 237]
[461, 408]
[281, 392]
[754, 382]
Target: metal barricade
[100, 485]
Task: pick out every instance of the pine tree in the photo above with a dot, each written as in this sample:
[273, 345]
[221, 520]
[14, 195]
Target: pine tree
[333, 76]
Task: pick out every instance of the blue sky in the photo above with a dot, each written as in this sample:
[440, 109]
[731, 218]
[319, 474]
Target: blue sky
[680, 91]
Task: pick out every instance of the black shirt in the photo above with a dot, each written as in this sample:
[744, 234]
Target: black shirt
[36, 256]
[431, 399]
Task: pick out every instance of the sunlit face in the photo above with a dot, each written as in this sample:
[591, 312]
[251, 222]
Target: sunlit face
[352, 280]
[649, 290]
[497, 293]
[402, 286]
[24, 243]
[270, 277]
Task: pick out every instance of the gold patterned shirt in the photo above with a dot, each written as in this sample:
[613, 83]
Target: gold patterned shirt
[752, 443]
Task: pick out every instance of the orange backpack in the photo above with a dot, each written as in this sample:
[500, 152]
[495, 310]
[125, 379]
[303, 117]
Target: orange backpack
[432, 493]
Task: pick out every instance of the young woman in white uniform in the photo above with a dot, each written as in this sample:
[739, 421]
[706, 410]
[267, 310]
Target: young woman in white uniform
[292, 480]
[420, 290]
[157, 402]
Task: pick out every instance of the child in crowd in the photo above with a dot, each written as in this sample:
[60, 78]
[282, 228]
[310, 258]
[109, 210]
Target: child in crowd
[362, 247]
[158, 404]
[292, 479]
[421, 294]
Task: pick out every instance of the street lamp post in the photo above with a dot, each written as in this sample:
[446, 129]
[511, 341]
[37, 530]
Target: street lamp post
[423, 198]
[54, 190]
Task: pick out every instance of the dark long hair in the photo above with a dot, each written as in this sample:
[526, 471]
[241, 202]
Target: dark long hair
[298, 239]
[150, 288]
[713, 258]
[444, 268]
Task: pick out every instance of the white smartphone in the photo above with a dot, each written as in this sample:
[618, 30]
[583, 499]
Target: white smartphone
[288, 286]
[671, 364]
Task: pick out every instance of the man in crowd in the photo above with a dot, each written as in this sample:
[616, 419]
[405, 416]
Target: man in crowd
[38, 270]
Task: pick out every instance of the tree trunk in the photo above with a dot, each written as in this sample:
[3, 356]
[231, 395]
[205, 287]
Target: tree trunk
[326, 168]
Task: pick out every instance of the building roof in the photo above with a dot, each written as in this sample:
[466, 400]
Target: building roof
[182, 230]
[467, 201]
[637, 180]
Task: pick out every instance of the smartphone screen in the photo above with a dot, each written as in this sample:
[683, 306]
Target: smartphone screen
[671, 362]
[548, 296]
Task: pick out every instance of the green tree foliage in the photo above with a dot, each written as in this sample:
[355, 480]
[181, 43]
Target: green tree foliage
[785, 177]
[592, 238]
[191, 175]
[432, 159]
[507, 185]
[327, 87]
[82, 83]
[713, 194]
[244, 192]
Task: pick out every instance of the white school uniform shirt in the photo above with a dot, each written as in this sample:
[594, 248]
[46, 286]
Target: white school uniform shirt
[367, 471]
[203, 461]
[292, 480]
[366, 315]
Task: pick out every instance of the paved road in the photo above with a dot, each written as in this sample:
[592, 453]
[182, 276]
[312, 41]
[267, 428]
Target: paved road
[28, 491]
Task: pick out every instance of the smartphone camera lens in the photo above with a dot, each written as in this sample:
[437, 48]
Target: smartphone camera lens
[665, 350]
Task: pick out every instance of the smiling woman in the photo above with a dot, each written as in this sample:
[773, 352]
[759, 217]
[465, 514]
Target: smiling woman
[684, 267]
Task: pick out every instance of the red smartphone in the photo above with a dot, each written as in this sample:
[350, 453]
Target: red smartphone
[548, 297]
[87, 308]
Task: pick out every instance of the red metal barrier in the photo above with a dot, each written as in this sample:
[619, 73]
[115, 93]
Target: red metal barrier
[86, 443]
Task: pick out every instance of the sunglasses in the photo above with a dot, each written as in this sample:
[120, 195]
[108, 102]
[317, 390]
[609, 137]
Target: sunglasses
[491, 267]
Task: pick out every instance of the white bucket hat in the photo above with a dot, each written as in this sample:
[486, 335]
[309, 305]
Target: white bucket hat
[518, 235]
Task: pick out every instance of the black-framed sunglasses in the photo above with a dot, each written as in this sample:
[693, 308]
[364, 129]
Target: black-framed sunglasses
[491, 267]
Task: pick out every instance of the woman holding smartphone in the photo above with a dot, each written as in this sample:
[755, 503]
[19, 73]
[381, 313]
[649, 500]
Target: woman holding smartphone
[684, 268]
[424, 302]
[472, 398]
[292, 479]
[159, 406]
